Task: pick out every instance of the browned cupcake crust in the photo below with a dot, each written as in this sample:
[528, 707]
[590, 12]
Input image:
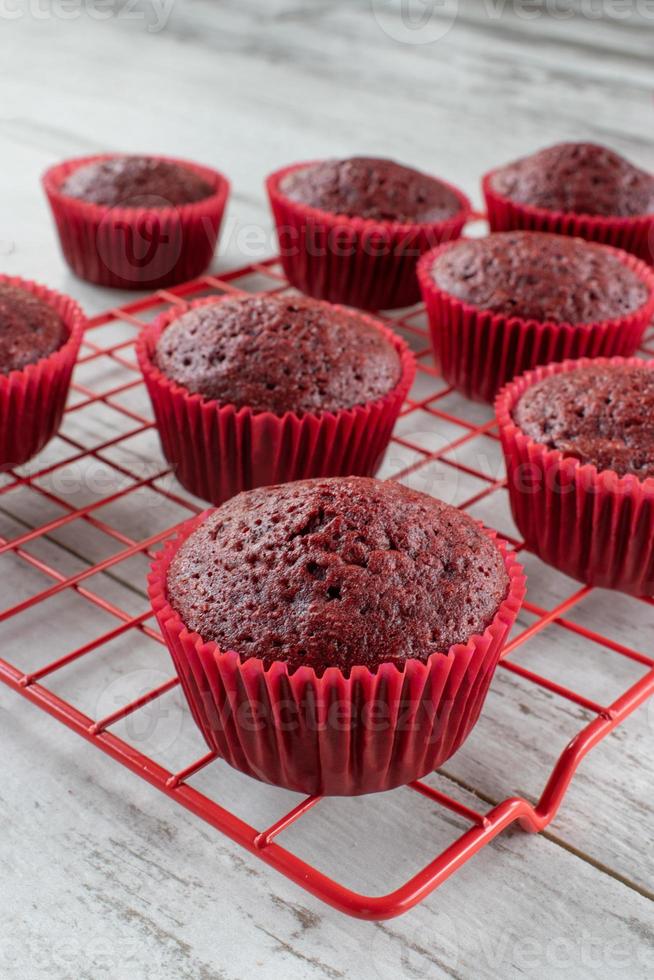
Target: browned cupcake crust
[373, 188]
[578, 177]
[337, 572]
[600, 413]
[279, 354]
[29, 329]
[536, 275]
[133, 181]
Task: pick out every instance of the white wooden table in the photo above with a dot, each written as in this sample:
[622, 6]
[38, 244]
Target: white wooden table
[101, 876]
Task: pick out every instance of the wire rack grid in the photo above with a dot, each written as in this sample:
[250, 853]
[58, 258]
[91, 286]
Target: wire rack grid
[438, 440]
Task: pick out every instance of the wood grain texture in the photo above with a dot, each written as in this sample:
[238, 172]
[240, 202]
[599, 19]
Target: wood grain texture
[100, 875]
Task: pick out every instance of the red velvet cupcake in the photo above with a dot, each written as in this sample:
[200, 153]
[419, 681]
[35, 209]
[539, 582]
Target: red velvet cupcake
[335, 636]
[136, 222]
[256, 390]
[579, 444]
[579, 189]
[500, 305]
[350, 231]
[40, 335]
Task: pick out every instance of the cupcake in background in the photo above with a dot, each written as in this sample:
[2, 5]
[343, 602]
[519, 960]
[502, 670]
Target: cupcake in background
[578, 438]
[40, 336]
[579, 189]
[255, 390]
[335, 636]
[136, 222]
[500, 305]
[351, 231]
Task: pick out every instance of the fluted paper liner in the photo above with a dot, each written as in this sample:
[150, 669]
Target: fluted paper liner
[356, 261]
[591, 524]
[218, 450]
[479, 351]
[136, 247]
[333, 734]
[32, 400]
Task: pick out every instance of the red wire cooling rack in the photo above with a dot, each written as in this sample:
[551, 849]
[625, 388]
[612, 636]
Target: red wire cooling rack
[429, 396]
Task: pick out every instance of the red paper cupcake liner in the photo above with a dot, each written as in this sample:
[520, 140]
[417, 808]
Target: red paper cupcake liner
[633, 234]
[218, 450]
[479, 351]
[32, 400]
[356, 261]
[333, 734]
[595, 526]
[136, 248]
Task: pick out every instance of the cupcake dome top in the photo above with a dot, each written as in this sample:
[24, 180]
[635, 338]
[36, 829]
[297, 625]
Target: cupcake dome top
[136, 181]
[30, 329]
[578, 177]
[540, 276]
[599, 413]
[279, 354]
[372, 188]
[337, 572]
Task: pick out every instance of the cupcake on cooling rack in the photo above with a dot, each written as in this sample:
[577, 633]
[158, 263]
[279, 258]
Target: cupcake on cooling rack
[579, 444]
[335, 636]
[579, 189]
[500, 305]
[40, 335]
[350, 231]
[255, 390]
[136, 221]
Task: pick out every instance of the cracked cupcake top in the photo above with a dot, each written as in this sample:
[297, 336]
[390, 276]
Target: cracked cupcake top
[580, 177]
[599, 413]
[133, 181]
[30, 329]
[536, 275]
[374, 188]
[278, 354]
[337, 572]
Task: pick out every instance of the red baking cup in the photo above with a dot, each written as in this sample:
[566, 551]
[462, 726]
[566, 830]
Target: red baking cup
[634, 234]
[218, 450]
[136, 247]
[369, 264]
[334, 734]
[479, 351]
[594, 525]
[33, 399]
